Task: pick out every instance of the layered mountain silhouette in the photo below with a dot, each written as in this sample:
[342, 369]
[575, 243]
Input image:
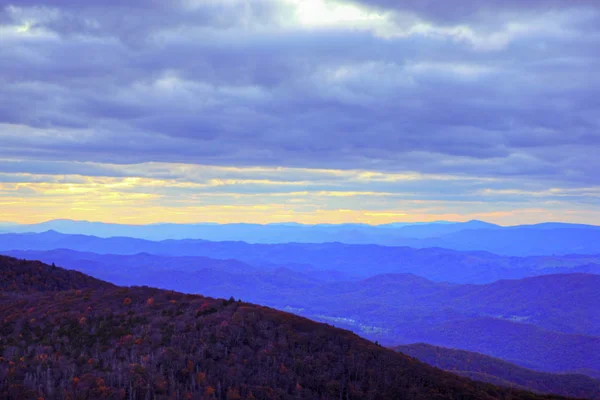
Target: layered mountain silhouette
[548, 323]
[352, 260]
[257, 233]
[68, 335]
[522, 240]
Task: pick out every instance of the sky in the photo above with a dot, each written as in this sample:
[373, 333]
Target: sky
[313, 111]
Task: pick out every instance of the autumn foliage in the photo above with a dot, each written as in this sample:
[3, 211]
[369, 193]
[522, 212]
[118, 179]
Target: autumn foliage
[181, 346]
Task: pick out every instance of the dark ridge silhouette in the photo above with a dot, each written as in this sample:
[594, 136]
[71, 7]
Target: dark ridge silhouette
[23, 275]
[138, 343]
[493, 370]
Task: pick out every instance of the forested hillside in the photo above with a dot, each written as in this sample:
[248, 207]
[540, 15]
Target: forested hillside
[138, 343]
[547, 323]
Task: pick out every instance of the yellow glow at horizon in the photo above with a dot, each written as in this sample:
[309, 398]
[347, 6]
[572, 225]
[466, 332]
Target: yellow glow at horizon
[385, 214]
[132, 213]
[141, 200]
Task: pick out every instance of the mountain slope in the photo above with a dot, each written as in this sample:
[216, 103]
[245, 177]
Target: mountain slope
[111, 342]
[24, 276]
[484, 368]
[519, 343]
[539, 317]
[566, 303]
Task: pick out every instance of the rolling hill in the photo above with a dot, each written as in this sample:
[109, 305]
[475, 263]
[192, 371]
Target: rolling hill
[547, 323]
[484, 368]
[566, 303]
[116, 342]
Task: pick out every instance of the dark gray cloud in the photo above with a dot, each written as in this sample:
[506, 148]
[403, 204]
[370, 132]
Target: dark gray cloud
[499, 88]
[476, 11]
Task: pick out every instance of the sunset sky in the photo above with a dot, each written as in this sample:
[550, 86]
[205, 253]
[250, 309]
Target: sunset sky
[311, 111]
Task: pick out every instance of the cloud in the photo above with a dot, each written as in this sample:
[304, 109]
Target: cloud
[500, 90]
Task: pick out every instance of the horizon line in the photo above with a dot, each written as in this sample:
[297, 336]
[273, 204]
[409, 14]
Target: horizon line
[14, 223]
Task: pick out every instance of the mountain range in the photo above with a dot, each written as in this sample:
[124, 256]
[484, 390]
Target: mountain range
[547, 323]
[537, 312]
[350, 260]
[255, 233]
[67, 335]
[521, 240]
